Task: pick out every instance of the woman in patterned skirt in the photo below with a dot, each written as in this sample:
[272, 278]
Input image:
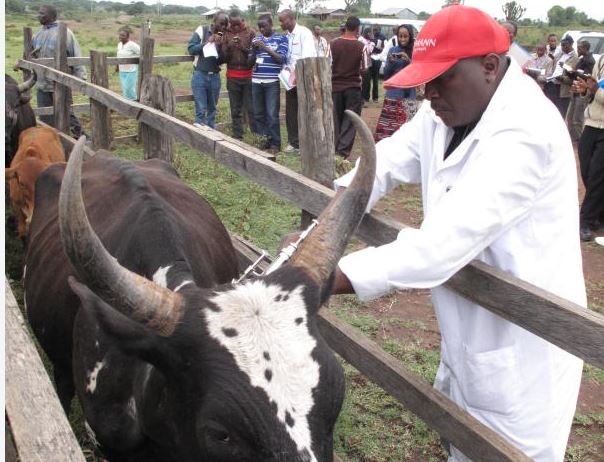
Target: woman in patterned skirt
[400, 104]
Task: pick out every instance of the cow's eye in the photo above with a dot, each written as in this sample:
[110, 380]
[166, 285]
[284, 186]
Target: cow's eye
[218, 434]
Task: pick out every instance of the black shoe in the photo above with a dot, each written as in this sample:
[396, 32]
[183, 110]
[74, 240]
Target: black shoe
[585, 234]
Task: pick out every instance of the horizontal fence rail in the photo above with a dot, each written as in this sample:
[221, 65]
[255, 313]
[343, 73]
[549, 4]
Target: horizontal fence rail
[561, 322]
[39, 428]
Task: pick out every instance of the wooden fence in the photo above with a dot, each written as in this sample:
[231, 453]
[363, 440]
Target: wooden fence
[560, 321]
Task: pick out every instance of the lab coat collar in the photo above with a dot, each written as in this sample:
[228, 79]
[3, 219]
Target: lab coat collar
[492, 114]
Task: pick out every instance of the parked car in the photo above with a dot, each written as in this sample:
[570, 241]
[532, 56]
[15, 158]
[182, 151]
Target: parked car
[595, 39]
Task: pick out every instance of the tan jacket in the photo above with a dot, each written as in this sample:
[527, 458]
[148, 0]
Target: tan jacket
[594, 113]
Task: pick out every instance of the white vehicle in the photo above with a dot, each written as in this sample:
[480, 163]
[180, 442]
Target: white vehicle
[595, 39]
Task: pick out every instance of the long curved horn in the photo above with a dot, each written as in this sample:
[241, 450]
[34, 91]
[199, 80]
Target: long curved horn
[28, 84]
[131, 294]
[320, 252]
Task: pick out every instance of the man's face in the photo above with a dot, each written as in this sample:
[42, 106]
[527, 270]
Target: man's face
[540, 50]
[461, 94]
[236, 23]
[220, 22]
[552, 42]
[566, 47]
[123, 37]
[581, 49]
[287, 22]
[44, 16]
[265, 27]
[317, 31]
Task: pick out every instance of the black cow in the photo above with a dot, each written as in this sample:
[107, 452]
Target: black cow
[18, 114]
[172, 361]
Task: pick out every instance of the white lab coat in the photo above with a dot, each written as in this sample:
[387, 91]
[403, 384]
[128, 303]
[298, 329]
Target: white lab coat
[506, 196]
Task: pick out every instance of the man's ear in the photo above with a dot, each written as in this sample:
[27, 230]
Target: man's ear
[130, 336]
[491, 64]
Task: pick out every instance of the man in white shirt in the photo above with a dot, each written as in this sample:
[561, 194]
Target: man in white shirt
[320, 41]
[495, 190]
[301, 45]
[126, 48]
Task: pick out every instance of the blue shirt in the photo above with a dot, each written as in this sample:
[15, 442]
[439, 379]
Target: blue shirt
[266, 68]
[392, 68]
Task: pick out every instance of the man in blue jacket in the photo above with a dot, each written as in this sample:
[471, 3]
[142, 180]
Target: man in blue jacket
[205, 82]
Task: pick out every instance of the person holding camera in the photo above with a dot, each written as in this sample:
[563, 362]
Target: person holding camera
[540, 65]
[234, 52]
[267, 56]
[557, 86]
[576, 108]
[205, 81]
[400, 104]
[591, 151]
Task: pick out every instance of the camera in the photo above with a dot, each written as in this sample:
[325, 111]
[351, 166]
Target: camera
[236, 39]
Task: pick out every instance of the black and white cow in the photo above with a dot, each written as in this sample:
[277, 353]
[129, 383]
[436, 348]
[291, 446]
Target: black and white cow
[174, 365]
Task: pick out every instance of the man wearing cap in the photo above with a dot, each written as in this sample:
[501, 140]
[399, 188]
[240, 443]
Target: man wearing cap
[494, 190]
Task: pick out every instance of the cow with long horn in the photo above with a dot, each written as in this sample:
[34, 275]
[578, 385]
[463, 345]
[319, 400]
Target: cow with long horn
[172, 361]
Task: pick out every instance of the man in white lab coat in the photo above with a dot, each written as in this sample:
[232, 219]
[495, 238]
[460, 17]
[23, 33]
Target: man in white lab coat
[496, 190]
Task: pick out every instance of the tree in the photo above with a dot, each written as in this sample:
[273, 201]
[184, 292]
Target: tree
[423, 15]
[358, 6]
[513, 11]
[268, 5]
[558, 16]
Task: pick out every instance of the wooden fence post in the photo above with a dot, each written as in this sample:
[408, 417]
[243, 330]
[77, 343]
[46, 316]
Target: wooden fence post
[315, 123]
[144, 69]
[27, 49]
[158, 93]
[146, 59]
[62, 94]
[100, 115]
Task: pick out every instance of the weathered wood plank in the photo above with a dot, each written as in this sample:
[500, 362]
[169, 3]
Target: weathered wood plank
[113, 60]
[315, 124]
[49, 110]
[27, 49]
[467, 434]
[124, 139]
[375, 228]
[62, 94]
[100, 115]
[39, 426]
[157, 92]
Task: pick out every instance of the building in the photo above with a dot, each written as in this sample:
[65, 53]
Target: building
[400, 13]
[322, 14]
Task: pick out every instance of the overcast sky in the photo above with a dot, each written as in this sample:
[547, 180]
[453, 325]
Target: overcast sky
[535, 9]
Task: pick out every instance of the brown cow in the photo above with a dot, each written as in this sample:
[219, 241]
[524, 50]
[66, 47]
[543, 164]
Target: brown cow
[38, 148]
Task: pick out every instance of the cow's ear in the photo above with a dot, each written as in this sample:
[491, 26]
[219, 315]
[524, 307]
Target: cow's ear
[132, 337]
[25, 98]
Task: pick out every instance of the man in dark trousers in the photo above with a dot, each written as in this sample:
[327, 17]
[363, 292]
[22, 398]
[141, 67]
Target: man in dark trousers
[43, 43]
[373, 79]
[591, 152]
[234, 52]
[576, 108]
[347, 64]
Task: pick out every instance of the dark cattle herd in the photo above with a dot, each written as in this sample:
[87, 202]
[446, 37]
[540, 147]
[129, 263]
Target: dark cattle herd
[130, 289]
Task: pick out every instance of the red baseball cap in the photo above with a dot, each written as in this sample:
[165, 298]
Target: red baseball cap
[455, 32]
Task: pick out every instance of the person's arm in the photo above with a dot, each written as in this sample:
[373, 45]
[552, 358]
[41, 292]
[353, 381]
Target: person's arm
[195, 46]
[308, 44]
[496, 192]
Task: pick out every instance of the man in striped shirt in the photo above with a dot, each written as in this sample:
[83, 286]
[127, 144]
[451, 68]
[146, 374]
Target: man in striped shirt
[267, 55]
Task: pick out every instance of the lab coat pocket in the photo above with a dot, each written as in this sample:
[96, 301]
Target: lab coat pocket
[491, 379]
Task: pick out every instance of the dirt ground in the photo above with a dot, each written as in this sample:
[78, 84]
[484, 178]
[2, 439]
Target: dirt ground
[415, 306]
